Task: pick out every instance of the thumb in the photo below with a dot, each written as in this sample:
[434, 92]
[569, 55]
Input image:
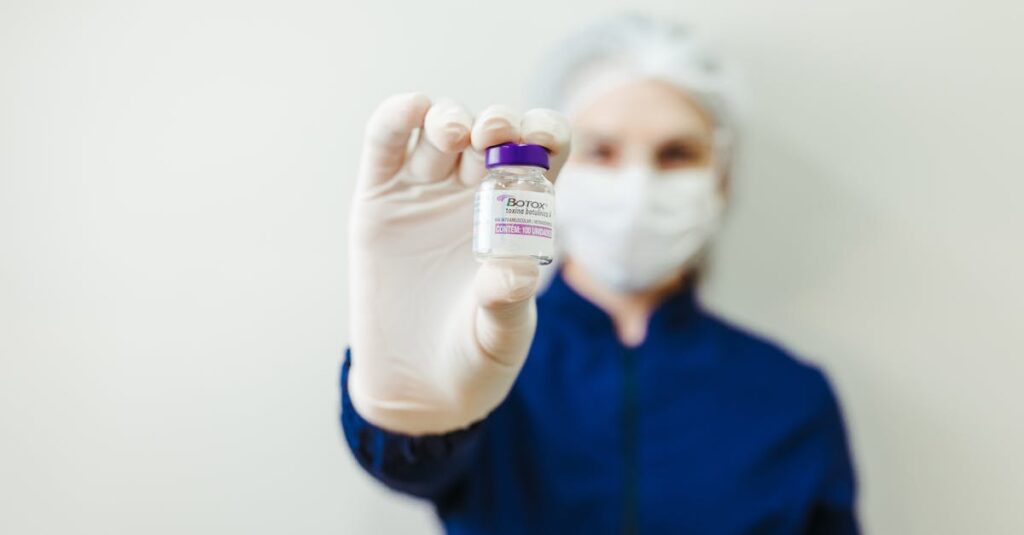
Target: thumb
[506, 313]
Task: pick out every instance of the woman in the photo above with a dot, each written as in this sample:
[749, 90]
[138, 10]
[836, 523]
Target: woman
[612, 403]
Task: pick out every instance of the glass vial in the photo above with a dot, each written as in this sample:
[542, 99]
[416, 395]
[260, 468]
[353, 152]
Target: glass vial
[514, 210]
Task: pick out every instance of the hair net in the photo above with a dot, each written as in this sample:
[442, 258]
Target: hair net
[632, 47]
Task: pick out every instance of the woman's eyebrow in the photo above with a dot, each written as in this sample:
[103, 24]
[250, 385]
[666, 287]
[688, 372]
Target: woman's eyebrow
[686, 138]
[597, 137]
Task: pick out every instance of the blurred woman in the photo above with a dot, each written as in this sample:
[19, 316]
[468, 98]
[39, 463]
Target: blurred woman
[613, 402]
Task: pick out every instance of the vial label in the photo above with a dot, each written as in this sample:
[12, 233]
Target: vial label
[514, 223]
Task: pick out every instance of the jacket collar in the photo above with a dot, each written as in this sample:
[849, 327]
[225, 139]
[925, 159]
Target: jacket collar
[679, 310]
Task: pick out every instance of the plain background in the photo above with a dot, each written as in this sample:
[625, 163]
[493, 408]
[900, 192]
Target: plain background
[174, 183]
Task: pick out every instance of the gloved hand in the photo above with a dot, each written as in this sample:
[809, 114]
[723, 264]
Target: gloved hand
[437, 338]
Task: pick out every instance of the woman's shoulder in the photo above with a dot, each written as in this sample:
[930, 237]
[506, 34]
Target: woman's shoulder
[768, 364]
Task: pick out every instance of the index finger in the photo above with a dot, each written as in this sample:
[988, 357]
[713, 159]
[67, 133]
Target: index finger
[387, 136]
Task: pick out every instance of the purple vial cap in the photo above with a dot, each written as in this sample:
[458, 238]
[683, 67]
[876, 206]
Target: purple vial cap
[516, 154]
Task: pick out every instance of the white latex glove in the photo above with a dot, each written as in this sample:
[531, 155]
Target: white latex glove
[437, 338]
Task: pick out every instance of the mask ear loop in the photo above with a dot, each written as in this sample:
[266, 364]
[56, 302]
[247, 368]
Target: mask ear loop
[722, 147]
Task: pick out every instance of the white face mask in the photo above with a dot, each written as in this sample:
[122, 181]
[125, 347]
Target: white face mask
[633, 228]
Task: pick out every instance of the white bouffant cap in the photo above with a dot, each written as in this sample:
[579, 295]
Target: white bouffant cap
[630, 47]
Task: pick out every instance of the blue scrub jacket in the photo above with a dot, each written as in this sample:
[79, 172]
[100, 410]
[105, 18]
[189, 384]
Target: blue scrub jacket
[702, 429]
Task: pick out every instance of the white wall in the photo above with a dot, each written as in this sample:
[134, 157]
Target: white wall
[173, 190]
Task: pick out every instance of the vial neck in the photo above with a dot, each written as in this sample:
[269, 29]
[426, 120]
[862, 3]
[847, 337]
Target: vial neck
[519, 170]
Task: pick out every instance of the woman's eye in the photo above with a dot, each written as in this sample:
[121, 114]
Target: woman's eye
[601, 154]
[677, 155]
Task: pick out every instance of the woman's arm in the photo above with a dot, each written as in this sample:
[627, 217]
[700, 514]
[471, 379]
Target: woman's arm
[835, 511]
[427, 466]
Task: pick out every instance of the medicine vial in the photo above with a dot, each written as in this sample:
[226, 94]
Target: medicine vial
[514, 210]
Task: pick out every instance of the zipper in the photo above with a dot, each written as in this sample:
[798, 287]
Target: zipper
[629, 442]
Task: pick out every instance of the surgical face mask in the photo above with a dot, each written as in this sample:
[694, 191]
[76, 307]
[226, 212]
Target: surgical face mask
[633, 228]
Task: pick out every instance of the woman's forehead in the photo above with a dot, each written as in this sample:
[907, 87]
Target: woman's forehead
[645, 110]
